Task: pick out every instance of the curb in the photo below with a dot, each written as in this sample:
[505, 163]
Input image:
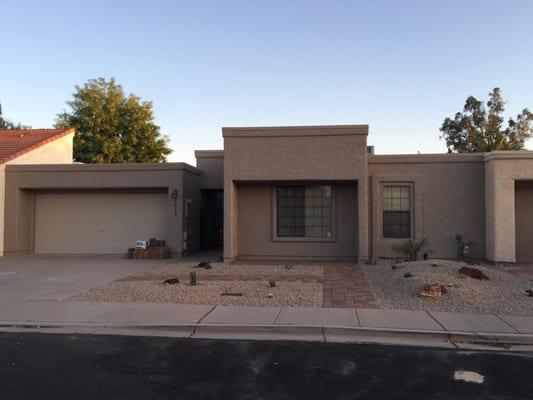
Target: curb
[336, 334]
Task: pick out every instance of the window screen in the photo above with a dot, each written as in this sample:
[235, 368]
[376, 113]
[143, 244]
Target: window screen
[396, 211]
[304, 211]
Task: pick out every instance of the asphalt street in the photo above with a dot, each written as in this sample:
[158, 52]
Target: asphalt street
[54, 366]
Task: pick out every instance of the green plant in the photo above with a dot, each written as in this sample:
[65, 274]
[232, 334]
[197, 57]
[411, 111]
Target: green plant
[411, 248]
[480, 129]
[112, 126]
[192, 278]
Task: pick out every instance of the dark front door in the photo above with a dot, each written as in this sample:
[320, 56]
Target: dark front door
[212, 219]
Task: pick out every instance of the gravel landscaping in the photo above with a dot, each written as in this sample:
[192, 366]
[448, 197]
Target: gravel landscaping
[231, 271]
[502, 293]
[295, 285]
[303, 285]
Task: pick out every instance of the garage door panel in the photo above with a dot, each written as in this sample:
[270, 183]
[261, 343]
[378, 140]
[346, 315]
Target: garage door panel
[97, 223]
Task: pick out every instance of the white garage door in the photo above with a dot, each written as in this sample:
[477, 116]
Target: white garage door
[97, 223]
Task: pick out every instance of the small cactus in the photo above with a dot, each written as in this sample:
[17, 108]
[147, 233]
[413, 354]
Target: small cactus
[192, 278]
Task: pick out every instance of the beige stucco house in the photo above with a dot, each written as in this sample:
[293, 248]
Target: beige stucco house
[39, 146]
[313, 192]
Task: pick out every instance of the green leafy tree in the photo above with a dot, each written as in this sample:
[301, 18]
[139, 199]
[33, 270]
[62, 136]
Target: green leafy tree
[112, 127]
[480, 129]
[5, 124]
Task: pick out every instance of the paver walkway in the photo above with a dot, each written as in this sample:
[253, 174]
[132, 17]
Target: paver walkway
[345, 286]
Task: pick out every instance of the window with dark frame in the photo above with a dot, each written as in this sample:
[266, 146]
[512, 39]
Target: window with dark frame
[304, 211]
[396, 211]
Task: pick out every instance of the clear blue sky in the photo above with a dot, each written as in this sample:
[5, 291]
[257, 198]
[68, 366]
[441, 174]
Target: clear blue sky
[399, 66]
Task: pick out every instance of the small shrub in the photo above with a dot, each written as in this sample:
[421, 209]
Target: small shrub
[192, 278]
[411, 248]
[272, 283]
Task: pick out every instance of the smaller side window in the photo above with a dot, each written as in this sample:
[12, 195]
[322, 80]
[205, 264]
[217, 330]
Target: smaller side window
[396, 211]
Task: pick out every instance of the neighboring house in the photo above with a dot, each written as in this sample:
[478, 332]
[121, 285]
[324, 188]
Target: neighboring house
[35, 146]
[314, 193]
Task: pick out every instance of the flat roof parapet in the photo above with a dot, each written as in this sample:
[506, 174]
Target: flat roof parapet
[291, 131]
[449, 157]
[103, 167]
[509, 155]
[425, 158]
[208, 153]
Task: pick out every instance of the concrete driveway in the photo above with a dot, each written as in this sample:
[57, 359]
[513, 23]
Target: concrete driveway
[38, 277]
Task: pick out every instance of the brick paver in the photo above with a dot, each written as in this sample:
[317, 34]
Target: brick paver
[345, 285]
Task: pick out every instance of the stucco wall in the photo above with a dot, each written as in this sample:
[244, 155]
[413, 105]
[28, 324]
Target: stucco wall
[256, 226]
[449, 198]
[23, 181]
[299, 153]
[2, 205]
[59, 151]
[502, 170]
[211, 163]
[312, 153]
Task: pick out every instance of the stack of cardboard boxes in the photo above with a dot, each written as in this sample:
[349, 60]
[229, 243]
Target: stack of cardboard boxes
[155, 249]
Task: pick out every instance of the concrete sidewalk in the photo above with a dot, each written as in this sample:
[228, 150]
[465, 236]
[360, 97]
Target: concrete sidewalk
[291, 323]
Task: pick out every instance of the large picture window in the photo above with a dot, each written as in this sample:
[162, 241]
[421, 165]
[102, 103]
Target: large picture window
[396, 211]
[304, 211]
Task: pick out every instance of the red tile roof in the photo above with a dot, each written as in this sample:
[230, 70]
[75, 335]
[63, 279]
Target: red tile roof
[14, 143]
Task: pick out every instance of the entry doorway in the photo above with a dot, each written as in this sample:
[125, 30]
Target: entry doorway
[212, 219]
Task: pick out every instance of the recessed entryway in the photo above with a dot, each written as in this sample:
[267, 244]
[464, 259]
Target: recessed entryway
[524, 221]
[212, 219]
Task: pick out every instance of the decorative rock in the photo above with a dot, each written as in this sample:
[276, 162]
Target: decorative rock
[473, 273]
[171, 281]
[408, 275]
[434, 290]
[203, 264]
[529, 292]
[270, 295]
